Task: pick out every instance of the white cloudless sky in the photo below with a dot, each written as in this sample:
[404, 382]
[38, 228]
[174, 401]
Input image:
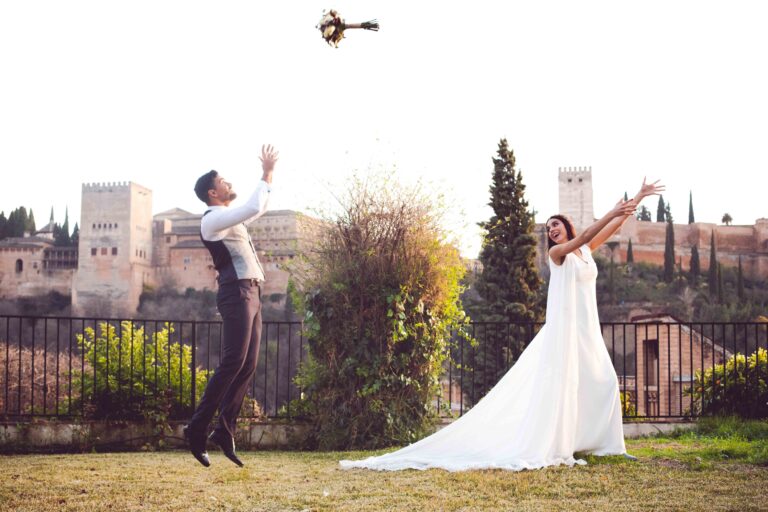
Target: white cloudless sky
[159, 92]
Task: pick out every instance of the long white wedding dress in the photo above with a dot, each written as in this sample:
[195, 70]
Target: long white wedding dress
[560, 397]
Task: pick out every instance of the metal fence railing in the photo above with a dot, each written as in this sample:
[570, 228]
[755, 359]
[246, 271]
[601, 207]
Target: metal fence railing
[69, 367]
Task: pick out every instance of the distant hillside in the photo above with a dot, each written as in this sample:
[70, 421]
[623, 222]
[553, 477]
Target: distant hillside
[642, 287]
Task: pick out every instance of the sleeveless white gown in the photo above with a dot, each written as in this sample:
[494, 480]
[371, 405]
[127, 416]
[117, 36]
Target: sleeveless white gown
[560, 397]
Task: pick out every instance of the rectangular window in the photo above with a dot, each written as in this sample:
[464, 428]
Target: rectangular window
[103, 251]
[114, 251]
[93, 251]
[167, 239]
[187, 260]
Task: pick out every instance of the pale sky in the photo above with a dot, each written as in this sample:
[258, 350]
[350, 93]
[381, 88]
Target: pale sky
[158, 92]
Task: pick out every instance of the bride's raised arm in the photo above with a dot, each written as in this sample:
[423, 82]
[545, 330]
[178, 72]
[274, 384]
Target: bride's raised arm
[646, 189]
[621, 209]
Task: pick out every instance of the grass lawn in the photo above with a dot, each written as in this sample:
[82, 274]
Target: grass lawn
[719, 466]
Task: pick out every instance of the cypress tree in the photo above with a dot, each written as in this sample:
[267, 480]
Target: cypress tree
[740, 283]
[30, 227]
[644, 214]
[630, 255]
[691, 219]
[61, 235]
[695, 266]
[17, 222]
[661, 210]
[510, 282]
[712, 275]
[21, 221]
[3, 225]
[720, 287]
[669, 249]
[75, 239]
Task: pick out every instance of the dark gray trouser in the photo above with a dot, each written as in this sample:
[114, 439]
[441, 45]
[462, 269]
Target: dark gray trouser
[239, 304]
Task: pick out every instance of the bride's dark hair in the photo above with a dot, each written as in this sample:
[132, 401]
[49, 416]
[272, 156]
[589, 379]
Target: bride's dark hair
[570, 231]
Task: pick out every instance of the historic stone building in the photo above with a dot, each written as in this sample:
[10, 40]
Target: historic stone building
[33, 266]
[575, 194]
[123, 248]
[115, 249]
[182, 261]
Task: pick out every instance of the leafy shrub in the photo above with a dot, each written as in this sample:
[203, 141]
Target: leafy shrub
[380, 296]
[737, 388]
[134, 376]
[627, 407]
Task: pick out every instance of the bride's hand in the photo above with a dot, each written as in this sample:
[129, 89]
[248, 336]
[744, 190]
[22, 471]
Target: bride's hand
[649, 189]
[624, 208]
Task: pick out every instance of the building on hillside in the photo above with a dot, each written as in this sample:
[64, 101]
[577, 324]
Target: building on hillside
[575, 195]
[115, 248]
[32, 266]
[667, 354]
[182, 261]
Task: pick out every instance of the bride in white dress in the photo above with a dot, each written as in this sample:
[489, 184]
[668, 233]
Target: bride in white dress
[562, 394]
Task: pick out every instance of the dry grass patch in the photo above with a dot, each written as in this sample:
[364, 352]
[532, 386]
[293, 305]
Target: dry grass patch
[313, 481]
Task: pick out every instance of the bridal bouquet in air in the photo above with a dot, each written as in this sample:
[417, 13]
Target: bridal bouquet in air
[332, 26]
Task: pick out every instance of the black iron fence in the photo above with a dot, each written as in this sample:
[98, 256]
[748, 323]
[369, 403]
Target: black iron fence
[71, 367]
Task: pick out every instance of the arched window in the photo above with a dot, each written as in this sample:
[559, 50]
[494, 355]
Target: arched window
[19, 266]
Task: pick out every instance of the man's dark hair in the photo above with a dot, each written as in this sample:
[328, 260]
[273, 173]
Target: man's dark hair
[204, 184]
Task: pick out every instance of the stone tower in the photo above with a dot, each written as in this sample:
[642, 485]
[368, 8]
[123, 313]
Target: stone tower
[115, 248]
[575, 188]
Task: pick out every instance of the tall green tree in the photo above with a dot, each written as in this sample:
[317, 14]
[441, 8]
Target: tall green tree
[644, 214]
[510, 282]
[61, 235]
[17, 222]
[727, 219]
[695, 271]
[669, 248]
[3, 225]
[630, 254]
[712, 274]
[75, 239]
[740, 283]
[720, 287]
[661, 210]
[691, 218]
[30, 227]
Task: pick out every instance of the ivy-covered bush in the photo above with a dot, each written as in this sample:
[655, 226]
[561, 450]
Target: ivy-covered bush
[130, 375]
[737, 388]
[380, 297]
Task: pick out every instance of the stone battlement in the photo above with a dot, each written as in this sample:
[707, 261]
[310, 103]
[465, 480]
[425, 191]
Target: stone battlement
[107, 184]
[574, 170]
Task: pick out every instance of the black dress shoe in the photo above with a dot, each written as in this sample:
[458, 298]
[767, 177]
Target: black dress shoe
[227, 444]
[196, 441]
